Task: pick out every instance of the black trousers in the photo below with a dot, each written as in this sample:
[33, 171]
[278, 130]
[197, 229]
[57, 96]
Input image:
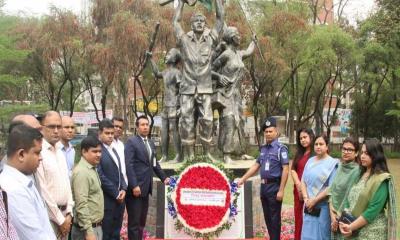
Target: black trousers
[272, 209]
[137, 208]
[112, 221]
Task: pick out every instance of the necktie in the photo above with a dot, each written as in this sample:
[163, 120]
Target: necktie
[146, 143]
[119, 168]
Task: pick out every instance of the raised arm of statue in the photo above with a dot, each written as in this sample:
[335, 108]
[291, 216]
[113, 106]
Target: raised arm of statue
[250, 49]
[177, 19]
[154, 67]
[220, 14]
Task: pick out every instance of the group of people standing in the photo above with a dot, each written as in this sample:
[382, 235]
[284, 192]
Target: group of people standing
[348, 198]
[44, 196]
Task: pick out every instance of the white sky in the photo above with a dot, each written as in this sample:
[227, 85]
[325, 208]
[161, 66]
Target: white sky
[39, 7]
[355, 9]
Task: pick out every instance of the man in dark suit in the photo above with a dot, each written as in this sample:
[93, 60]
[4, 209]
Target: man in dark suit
[112, 182]
[140, 158]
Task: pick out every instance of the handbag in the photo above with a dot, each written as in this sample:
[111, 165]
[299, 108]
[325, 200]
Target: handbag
[346, 217]
[314, 212]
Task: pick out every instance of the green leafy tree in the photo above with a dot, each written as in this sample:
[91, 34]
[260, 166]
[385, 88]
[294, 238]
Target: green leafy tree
[331, 55]
[379, 75]
[13, 83]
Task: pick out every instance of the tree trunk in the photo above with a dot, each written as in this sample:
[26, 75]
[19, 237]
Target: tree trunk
[291, 109]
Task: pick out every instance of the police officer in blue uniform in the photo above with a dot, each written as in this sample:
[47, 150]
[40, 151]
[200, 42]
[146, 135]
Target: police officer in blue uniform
[273, 164]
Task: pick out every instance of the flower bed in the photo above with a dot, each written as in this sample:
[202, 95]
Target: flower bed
[287, 228]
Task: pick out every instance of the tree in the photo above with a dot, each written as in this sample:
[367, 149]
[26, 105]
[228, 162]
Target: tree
[379, 74]
[281, 30]
[124, 33]
[371, 77]
[331, 57]
[53, 63]
[13, 83]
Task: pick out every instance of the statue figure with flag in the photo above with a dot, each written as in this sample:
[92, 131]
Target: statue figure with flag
[196, 88]
[206, 3]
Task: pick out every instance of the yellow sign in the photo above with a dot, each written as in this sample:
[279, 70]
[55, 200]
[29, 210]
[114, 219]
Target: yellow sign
[153, 106]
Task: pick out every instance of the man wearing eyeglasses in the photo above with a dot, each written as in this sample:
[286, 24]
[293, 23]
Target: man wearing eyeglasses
[52, 177]
[118, 123]
[67, 134]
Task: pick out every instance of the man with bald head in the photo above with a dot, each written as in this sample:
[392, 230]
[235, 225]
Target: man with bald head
[52, 177]
[26, 119]
[67, 134]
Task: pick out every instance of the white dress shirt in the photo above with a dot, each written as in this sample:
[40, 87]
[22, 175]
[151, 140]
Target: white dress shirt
[53, 182]
[149, 151]
[27, 210]
[120, 148]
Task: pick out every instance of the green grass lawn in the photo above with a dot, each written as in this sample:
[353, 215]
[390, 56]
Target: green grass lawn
[394, 168]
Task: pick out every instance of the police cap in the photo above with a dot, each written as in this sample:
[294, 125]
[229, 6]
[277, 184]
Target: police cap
[269, 122]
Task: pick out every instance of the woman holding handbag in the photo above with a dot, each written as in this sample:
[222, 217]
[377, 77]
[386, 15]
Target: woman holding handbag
[347, 173]
[317, 177]
[365, 217]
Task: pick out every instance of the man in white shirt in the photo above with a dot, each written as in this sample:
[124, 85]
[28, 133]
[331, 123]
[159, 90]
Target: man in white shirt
[67, 134]
[52, 177]
[26, 207]
[118, 144]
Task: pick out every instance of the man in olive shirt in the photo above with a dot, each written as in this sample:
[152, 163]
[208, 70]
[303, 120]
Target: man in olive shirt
[87, 193]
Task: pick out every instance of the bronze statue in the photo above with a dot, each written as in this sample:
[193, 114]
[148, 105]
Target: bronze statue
[172, 77]
[229, 70]
[195, 88]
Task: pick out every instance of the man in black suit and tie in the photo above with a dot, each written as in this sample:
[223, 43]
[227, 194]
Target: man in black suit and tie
[140, 158]
[112, 182]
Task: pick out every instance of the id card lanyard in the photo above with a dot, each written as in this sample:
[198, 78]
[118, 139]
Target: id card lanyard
[267, 164]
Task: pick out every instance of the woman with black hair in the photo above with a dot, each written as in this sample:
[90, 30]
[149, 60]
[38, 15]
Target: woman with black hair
[305, 141]
[317, 177]
[364, 216]
[347, 173]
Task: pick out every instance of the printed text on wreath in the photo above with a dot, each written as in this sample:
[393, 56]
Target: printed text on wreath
[203, 197]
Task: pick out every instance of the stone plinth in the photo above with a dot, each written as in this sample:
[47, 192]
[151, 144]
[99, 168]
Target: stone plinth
[253, 214]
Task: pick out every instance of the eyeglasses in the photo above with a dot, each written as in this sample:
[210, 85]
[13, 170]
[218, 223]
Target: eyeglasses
[53, 127]
[348, 150]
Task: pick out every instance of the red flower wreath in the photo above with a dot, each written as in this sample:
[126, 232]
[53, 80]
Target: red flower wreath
[204, 218]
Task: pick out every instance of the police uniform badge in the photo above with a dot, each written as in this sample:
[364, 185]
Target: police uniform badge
[267, 123]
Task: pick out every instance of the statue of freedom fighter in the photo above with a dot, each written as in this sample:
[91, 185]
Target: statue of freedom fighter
[197, 47]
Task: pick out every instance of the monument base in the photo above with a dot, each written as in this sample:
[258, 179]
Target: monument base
[250, 220]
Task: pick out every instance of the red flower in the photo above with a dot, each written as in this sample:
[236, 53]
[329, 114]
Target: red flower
[208, 178]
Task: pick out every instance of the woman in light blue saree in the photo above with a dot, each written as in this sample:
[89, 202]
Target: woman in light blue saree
[318, 175]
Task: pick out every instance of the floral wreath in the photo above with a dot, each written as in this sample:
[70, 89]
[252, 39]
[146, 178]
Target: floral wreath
[202, 221]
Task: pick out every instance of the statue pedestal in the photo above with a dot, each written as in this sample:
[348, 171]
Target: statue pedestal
[249, 218]
[237, 230]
